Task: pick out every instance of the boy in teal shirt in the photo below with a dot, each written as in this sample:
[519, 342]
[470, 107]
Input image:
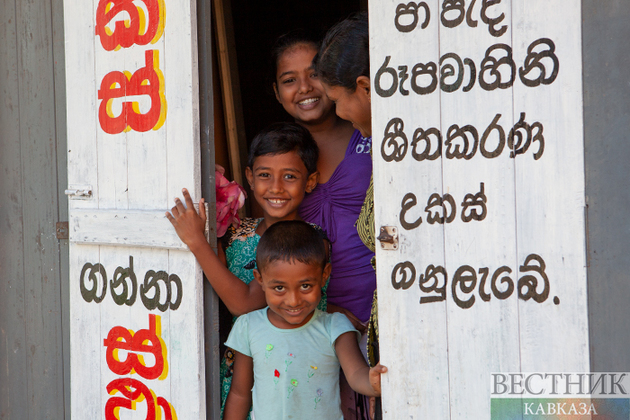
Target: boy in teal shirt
[288, 354]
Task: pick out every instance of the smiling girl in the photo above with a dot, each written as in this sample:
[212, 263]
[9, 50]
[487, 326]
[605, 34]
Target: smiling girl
[300, 93]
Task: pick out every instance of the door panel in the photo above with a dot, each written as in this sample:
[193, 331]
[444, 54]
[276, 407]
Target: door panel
[478, 164]
[133, 144]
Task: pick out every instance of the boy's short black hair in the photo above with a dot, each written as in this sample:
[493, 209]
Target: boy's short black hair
[289, 241]
[285, 137]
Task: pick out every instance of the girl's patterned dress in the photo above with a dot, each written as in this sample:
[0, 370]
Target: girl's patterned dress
[240, 246]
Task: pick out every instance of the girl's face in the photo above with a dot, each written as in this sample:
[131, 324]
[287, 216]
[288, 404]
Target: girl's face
[279, 183]
[354, 106]
[297, 87]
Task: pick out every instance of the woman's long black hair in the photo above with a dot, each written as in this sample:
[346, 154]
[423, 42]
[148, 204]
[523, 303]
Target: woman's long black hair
[345, 53]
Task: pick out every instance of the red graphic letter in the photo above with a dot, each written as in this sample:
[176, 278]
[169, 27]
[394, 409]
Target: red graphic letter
[140, 393]
[147, 80]
[133, 27]
[143, 341]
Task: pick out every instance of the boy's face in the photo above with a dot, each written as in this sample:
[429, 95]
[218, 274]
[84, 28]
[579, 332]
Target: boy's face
[279, 183]
[292, 290]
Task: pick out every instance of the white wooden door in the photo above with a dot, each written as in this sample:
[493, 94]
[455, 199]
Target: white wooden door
[133, 143]
[478, 164]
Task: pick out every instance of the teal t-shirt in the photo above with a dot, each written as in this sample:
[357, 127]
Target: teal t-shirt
[239, 245]
[296, 371]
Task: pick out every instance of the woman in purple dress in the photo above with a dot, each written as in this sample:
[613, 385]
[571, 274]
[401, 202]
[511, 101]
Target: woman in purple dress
[345, 168]
[343, 65]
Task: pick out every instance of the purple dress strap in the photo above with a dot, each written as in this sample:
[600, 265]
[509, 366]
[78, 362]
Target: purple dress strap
[335, 206]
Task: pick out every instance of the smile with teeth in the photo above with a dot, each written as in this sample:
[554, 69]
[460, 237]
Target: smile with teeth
[294, 311]
[277, 201]
[308, 101]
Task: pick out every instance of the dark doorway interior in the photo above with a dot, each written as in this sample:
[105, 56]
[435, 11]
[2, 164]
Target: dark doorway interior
[257, 24]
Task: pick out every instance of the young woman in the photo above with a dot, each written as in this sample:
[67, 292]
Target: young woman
[345, 167]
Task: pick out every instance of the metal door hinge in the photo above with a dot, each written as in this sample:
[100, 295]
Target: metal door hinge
[388, 237]
[79, 192]
[62, 230]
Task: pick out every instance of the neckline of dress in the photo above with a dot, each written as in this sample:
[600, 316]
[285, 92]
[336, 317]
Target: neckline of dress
[345, 156]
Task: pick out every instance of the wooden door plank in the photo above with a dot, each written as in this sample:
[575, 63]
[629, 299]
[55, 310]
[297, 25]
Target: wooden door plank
[144, 228]
[82, 125]
[85, 336]
[41, 276]
[86, 340]
[58, 57]
[413, 335]
[184, 170]
[190, 343]
[184, 162]
[13, 351]
[232, 104]
[483, 338]
[556, 214]
[207, 103]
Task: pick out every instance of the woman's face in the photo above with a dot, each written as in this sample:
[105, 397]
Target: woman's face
[353, 106]
[297, 87]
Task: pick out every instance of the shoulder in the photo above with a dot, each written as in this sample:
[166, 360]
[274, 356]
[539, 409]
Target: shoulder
[246, 229]
[254, 317]
[340, 320]
[360, 145]
[242, 322]
[248, 323]
[336, 324]
[319, 230]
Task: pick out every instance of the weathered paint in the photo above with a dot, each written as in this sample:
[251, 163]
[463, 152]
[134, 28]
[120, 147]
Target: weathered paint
[32, 266]
[455, 299]
[607, 153]
[133, 141]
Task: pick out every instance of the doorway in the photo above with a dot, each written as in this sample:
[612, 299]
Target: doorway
[257, 25]
[254, 28]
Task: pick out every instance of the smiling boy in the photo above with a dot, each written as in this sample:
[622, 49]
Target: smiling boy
[290, 352]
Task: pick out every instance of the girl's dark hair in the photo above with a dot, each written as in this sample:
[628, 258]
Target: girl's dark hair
[290, 241]
[288, 41]
[345, 53]
[285, 137]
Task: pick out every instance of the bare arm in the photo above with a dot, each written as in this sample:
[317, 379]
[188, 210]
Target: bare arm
[239, 400]
[239, 297]
[360, 376]
[356, 322]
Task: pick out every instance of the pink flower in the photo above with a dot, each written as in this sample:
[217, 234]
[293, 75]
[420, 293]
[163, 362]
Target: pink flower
[230, 198]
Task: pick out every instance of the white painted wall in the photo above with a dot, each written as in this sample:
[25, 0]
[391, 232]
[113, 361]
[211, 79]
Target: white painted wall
[442, 335]
[133, 174]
